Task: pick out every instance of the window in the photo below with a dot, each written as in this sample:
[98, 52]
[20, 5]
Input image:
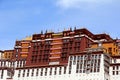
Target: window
[41, 72]
[55, 71]
[74, 62]
[117, 67]
[34, 59]
[113, 67]
[70, 67]
[77, 44]
[19, 73]
[47, 42]
[40, 57]
[17, 63]
[32, 72]
[83, 71]
[65, 70]
[60, 70]
[77, 67]
[80, 71]
[77, 49]
[28, 72]
[116, 72]
[20, 63]
[78, 38]
[45, 71]
[110, 50]
[70, 44]
[66, 40]
[113, 72]
[65, 50]
[71, 58]
[70, 49]
[37, 72]
[64, 56]
[50, 71]
[98, 69]
[23, 73]
[45, 57]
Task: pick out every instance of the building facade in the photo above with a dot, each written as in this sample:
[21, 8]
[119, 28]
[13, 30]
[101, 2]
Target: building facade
[1, 54]
[83, 66]
[111, 47]
[71, 54]
[22, 48]
[8, 54]
[54, 48]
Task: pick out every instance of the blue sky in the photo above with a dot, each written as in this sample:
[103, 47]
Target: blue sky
[21, 18]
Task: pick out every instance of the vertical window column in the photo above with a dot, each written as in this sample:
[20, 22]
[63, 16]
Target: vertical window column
[50, 71]
[28, 72]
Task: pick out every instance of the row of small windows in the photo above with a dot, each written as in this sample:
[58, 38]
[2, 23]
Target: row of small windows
[115, 67]
[49, 42]
[40, 43]
[82, 57]
[20, 63]
[45, 57]
[67, 40]
[42, 72]
[116, 72]
[4, 63]
[65, 49]
[86, 63]
[49, 46]
[40, 58]
[8, 55]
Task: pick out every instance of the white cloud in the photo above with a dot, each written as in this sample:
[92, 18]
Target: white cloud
[80, 3]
